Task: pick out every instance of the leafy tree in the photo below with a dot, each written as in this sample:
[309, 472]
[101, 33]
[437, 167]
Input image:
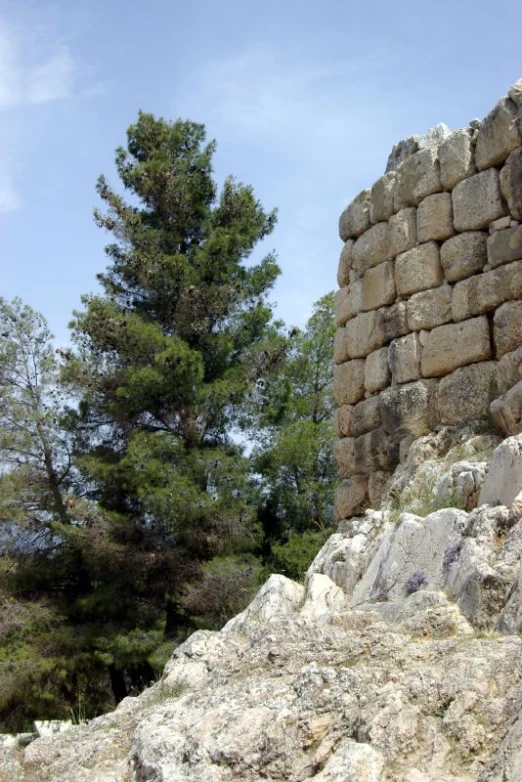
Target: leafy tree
[294, 452]
[165, 357]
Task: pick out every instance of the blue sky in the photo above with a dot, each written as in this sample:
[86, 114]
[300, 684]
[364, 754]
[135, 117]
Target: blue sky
[305, 100]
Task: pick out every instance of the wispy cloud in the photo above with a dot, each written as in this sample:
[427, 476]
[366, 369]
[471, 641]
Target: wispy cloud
[10, 201]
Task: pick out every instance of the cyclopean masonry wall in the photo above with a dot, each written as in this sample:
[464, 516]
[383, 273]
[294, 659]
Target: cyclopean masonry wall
[429, 310]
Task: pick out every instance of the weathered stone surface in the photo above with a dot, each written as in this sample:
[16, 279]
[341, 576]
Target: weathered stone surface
[365, 333]
[344, 452]
[381, 208]
[277, 598]
[402, 231]
[507, 328]
[511, 182]
[348, 302]
[409, 409]
[455, 345]
[376, 371]
[351, 497]
[506, 411]
[366, 416]
[504, 479]
[402, 150]
[498, 135]
[378, 286]
[343, 421]
[505, 246]
[515, 93]
[464, 255]
[356, 217]
[501, 223]
[461, 484]
[345, 264]
[349, 382]
[456, 156]
[374, 451]
[435, 218]
[371, 248]
[418, 269]
[394, 321]
[417, 177]
[340, 351]
[377, 485]
[477, 201]
[404, 357]
[509, 370]
[484, 292]
[430, 308]
[466, 394]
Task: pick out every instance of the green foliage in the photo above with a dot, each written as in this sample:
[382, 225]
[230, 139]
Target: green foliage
[294, 557]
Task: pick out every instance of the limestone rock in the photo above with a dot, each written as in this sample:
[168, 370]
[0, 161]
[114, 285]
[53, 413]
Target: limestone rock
[418, 269]
[356, 217]
[506, 411]
[340, 348]
[455, 345]
[478, 201]
[365, 333]
[505, 246]
[371, 248]
[466, 394]
[409, 409]
[457, 158]
[402, 231]
[404, 356]
[464, 255]
[378, 286]
[417, 177]
[509, 370]
[498, 135]
[349, 382]
[345, 264]
[381, 208]
[322, 597]
[504, 479]
[430, 308]
[485, 292]
[507, 332]
[343, 421]
[435, 218]
[348, 302]
[351, 496]
[376, 370]
[366, 416]
[278, 597]
[344, 452]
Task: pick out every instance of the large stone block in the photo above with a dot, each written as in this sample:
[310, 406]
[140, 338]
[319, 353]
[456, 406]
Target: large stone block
[511, 182]
[394, 321]
[365, 333]
[378, 483]
[349, 382]
[509, 370]
[456, 157]
[418, 269]
[464, 255]
[498, 135]
[351, 497]
[506, 411]
[402, 231]
[485, 292]
[378, 286]
[356, 217]
[435, 218]
[418, 176]
[366, 416]
[404, 355]
[345, 264]
[505, 246]
[477, 201]
[466, 394]
[375, 451]
[377, 373]
[455, 345]
[344, 452]
[340, 350]
[430, 308]
[348, 302]
[410, 409]
[371, 248]
[381, 207]
[507, 328]
[343, 421]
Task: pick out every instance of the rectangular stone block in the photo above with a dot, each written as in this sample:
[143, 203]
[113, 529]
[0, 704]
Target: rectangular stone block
[366, 416]
[511, 180]
[466, 394]
[456, 157]
[375, 451]
[371, 248]
[345, 264]
[340, 350]
[348, 302]
[381, 207]
[402, 231]
[349, 382]
[435, 218]
[356, 217]
[430, 308]
[394, 321]
[377, 373]
[507, 328]
[404, 356]
[344, 453]
[418, 176]
[477, 201]
[409, 409]
[505, 246]
[378, 287]
[343, 421]
[455, 345]
[418, 269]
[365, 333]
[498, 135]
[464, 255]
[351, 497]
[506, 411]
[486, 291]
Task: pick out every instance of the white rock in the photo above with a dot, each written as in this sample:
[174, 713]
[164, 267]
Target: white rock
[504, 479]
[278, 597]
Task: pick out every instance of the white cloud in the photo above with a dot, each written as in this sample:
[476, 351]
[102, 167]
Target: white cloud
[52, 79]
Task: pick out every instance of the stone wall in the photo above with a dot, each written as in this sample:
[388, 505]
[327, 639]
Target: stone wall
[429, 310]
